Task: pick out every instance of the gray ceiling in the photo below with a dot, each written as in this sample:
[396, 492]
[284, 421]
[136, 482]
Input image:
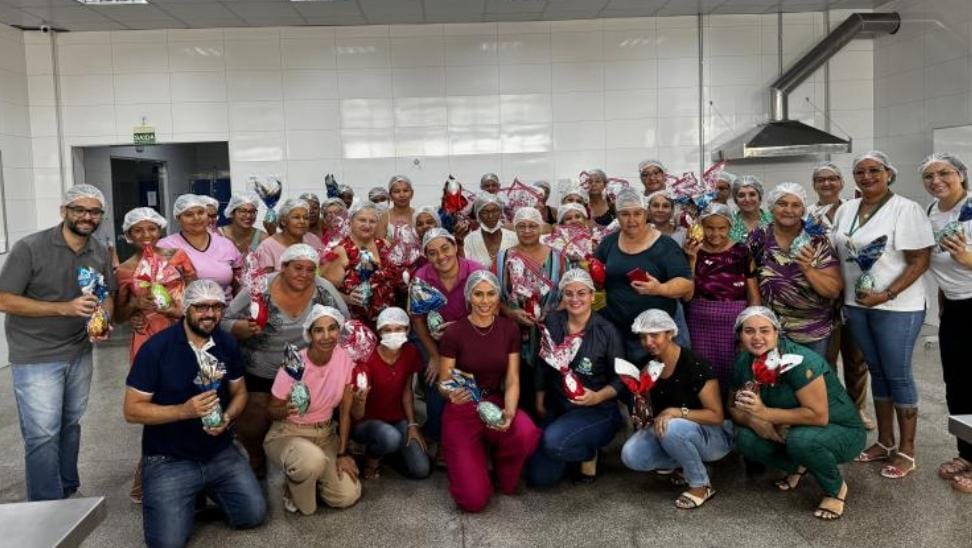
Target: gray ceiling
[167, 14]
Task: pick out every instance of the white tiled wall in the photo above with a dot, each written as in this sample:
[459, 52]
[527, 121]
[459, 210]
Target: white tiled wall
[533, 100]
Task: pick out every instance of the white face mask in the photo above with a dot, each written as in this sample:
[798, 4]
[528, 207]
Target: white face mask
[488, 230]
[394, 341]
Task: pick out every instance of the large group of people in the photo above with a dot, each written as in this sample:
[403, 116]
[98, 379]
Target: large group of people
[734, 306]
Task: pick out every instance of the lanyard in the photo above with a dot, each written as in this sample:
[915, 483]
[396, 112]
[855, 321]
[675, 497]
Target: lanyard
[854, 227]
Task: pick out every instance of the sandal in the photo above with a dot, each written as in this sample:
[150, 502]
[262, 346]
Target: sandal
[830, 514]
[372, 469]
[791, 481]
[954, 467]
[963, 482]
[895, 472]
[865, 456]
[676, 479]
[688, 501]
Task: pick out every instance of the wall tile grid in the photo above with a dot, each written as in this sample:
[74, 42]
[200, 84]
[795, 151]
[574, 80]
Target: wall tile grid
[532, 100]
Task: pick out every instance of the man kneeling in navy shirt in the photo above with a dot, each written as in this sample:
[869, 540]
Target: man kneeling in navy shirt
[182, 458]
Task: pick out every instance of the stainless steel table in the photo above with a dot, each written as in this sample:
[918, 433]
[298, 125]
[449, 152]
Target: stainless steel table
[961, 427]
[60, 523]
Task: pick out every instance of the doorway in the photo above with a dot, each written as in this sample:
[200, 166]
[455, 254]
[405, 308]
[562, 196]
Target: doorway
[134, 183]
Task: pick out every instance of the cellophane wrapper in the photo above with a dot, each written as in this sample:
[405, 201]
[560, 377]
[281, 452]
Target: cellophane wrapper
[560, 356]
[360, 381]
[405, 248]
[423, 298]
[488, 412]
[255, 281]
[269, 191]
[210, 377]
[357, 340]
[299, 395]
[519, 195]
[92, 282]
[527, 288]
[338, 226]
[456, 205]
[152, 273]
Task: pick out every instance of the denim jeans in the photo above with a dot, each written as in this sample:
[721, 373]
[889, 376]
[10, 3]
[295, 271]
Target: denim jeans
[887, 339]
[51, 398]
[389, 439]
[170, 487]
[682, 338]
[821, 346]
[434, 405]
[686, 444]
[572, 437]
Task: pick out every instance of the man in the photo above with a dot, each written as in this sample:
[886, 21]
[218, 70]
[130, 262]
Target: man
[182, 458]
[50, 350]
[653, 176]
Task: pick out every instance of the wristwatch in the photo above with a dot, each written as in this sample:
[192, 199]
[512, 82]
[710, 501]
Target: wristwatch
[891, 294]
[685, 411]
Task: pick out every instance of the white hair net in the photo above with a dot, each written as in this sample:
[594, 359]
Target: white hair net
[722, 175]
[654, 320]
[310, 197]
[358, 206]
[82, 191]
[664, 193]
[826, 166]
[568, 207]
[391, 316]
[629, 199]
[598, 173]
[209, 201]
[289, 205]
[715, 208]
[488, 177]
[475, 278]
[317, 312]
[140, 214]
[541, 184]
[949, 159]
[878, 157]
[752, 311]
[645, 164]
[527, 213]
[300, 252]
[576, 275]
[576, 190]
[399, 179]
[434, 233]
[427, 210]
[747, 181]
[202, 291]
[785, 188]
[334, 202]
[186, 202]
[239, 200]
[483, 200]
[378, 193]
[345, 189]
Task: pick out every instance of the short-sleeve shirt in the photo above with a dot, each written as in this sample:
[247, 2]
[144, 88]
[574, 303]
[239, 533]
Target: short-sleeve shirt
[593, 363]
[683, 386]
[326, 384]
[721, 276]
[269, 251]
[783, 395]
[907, 227]
[953, 279]
[42, 267]
[484, 353]
[216, 262]
[455, 308]
[664, 260]
[166, 367]
[388, 382]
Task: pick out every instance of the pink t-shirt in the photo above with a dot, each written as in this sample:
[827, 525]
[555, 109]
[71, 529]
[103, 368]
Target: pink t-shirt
[216, 262]
[324, 382]
[269, 251]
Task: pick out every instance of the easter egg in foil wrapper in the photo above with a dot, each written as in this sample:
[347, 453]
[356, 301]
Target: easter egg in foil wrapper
[161, 297]
[300, 397]
[864, 284]
[434, 320]
[952, 228]
[97, 325]
[490, 413]
[215, 417]
[695, 232]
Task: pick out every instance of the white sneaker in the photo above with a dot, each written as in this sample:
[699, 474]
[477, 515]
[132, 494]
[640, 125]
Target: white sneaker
[288, 504]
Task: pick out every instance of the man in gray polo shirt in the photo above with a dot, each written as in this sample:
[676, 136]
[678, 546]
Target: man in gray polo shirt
[50, 351]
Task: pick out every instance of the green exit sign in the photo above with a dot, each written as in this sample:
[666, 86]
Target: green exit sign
[144, 135]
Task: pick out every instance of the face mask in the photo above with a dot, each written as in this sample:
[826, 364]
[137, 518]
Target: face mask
[394, 341]
[488, 230]
[382, 206]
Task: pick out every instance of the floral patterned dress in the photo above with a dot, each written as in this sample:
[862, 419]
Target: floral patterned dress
[381, 276]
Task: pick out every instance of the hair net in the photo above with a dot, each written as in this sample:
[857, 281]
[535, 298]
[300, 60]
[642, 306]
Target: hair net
[564, 209]
[527, 213]
[300, 252]
[715, 208]
[202, 291]
[140, 214]
[344, 189]
[488, 177]
[949, 159]
[660, 193]
[399, 179]
[82, 191]
[751, 182]
[542, 184]
[432, 211]
[475, 278]
[597, 173]
[724, 176]
[378, 193]
[310, 197]
[209, 201]
[751, 311]
[629, 198]
[434, 233]
[654, 320]
[645, 164]
[186, 202]
[239, 200]
[317, 312]
[391, 316]
[827, 166]
[334, 202]
[483, 200]
[576, 275]
[359, 206]
[787, 188]
[878, 157]
[576, 190]
[289, 205]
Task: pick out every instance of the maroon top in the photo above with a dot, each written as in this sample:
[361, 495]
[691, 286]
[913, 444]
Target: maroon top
[483, 352]
[388, 382]
[722, 276]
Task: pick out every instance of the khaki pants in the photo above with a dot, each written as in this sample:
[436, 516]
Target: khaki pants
[308, 457]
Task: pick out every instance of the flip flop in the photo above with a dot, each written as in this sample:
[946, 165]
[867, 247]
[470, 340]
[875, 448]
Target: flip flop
[891, 471]
[784, 484]
[954, 467]
[864, 457]
[688, 501]
[963, 482]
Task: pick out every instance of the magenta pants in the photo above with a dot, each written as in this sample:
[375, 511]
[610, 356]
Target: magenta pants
[466, 443]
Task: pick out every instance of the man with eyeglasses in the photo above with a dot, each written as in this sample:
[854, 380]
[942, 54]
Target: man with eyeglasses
[49, 348]
[182, 458]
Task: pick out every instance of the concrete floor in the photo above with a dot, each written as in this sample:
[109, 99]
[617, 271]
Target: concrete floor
[621, 508]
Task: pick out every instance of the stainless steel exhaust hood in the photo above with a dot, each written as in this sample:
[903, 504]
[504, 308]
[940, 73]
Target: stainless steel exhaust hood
[782, 137]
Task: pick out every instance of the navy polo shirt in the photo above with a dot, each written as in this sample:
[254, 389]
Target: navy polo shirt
[166, 367]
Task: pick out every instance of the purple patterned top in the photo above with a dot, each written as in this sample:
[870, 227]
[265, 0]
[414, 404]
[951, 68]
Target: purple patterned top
[722, 276]
[805, 314]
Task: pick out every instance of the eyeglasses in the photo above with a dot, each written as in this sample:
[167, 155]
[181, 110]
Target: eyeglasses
[215, 307]
[246, 211]
[831, 179]
[872, 172]
[577, 294]
[943, 174]
[80, 211]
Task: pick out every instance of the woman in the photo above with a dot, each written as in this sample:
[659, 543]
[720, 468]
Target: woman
[290, 295]
[346, 194]
[401, 213]
[334, 216]
[360, 267]
[388, 427]
[689, 427]
[723, 186]
[310, 448]
[212, 212]
[314, 225]
[800, 284]
[489, 183]
[575, 429]
[802, 422]
[484, 244]
[547, 212]
[828, 182]
[486, 346]
[424, 219]
[747, 192]
[292, 221]
[213, 256]
[602, 211]
[946, 179]
[241, 212]
[661, 214]
[572, 214]
[885, 309]
[653, 177]
[725, 284]
[575, 194]
[662, 274]
[379, 196]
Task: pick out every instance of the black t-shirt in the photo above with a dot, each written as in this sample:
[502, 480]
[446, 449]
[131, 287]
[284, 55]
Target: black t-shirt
[683, 386]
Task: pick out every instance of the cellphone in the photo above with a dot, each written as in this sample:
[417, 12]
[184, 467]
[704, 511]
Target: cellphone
[638, 275]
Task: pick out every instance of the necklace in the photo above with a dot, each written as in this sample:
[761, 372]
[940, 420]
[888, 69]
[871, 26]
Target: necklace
[479, 330]
[865, 217]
